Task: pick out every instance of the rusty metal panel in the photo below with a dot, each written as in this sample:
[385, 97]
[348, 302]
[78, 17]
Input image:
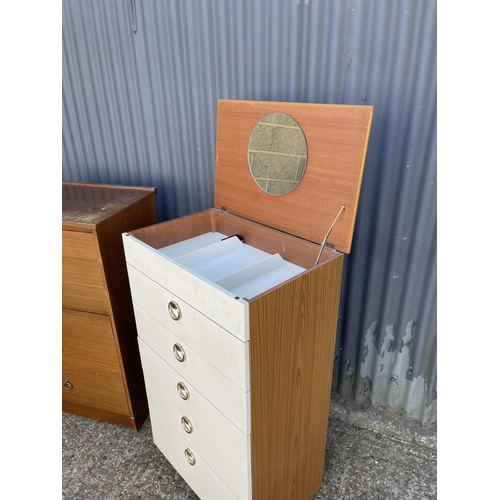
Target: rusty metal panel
[141, 79]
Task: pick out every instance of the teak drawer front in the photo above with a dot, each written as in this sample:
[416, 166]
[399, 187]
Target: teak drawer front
[90, 362]
[80, 259]
[216, 387]
[200, 477]
[211, 300]
[85, 298]
[79, 245]
[223, 446]
[83, 286]
[97, 391]
[87, 272]
[225, 352]
[88, 343]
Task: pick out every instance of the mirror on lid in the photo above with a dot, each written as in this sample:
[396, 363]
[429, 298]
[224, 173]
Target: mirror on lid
[277, 153]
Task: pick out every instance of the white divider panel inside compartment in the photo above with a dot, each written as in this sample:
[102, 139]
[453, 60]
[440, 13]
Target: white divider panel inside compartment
[217, 249]
[259, 277]
[260, 283]
[242, 269]
[220, 259]
[191, 244]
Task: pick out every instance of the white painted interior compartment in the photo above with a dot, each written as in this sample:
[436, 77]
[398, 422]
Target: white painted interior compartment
[235, 266]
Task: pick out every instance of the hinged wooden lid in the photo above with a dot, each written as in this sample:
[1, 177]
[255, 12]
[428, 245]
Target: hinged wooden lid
[337, 141]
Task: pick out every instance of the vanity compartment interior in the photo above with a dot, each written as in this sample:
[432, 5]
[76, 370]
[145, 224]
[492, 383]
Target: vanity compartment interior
[255, 279]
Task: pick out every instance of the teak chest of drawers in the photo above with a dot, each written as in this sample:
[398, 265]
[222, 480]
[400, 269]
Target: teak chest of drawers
[236, 306]
[101, 370]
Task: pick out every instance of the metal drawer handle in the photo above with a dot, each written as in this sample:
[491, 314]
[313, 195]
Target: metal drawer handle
[187, 425]
[189, 456]
[68, 385]
[183, 391]
[174, 310]
[179, 353]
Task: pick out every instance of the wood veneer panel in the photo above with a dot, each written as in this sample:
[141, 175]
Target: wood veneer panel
[88, 272]
[102, 415]
[139, 214]
[88, 343]
[78, 245]
[85, 297]
[292, 249]
[98, 214]
[89, 389]
[86, 205]
[337, 141]
[292, 340]
[180, 229]
[80, 259]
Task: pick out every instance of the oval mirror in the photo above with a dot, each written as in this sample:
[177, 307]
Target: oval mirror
[277, 153]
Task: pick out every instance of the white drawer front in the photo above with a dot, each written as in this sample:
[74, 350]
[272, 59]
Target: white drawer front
[216, 387]
[221, 444]
[200, 477]
[225, 352]
[211, 300]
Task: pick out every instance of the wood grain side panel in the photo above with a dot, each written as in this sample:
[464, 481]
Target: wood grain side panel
[88, 344]
[292, 340]
[141, 213]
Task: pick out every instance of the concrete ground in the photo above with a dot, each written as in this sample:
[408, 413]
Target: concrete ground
[370, 454]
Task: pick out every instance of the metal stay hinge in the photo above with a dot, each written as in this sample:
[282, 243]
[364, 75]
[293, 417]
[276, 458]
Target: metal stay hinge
[342, 208]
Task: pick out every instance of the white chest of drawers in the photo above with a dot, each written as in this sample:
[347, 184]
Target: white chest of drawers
[237, 337]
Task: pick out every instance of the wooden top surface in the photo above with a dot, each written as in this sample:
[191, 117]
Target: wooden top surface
[337, 141]
[90, 204]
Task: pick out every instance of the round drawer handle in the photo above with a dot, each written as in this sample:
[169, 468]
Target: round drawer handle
[179, 353]
[183, 390]
[68, 385]
[189, 456]
[174, 310]
[187, 425]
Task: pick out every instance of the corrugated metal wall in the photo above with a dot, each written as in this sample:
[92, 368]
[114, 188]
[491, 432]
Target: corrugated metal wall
[141, 79]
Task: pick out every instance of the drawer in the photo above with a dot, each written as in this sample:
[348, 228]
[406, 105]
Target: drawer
[85, 297]
[222, 350]
[200, 477]
[90, 362]
[80, 259]
[96, 391]
[214, 302]
[88, 343]
[216, 387]
[83, 285]
[79, 245]
[87, 272]
[221, 444]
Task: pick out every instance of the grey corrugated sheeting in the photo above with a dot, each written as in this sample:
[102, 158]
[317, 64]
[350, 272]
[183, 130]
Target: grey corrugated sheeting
[141, 109]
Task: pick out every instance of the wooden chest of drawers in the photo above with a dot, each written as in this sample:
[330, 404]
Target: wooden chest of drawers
[101, 371]
[237, 306]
